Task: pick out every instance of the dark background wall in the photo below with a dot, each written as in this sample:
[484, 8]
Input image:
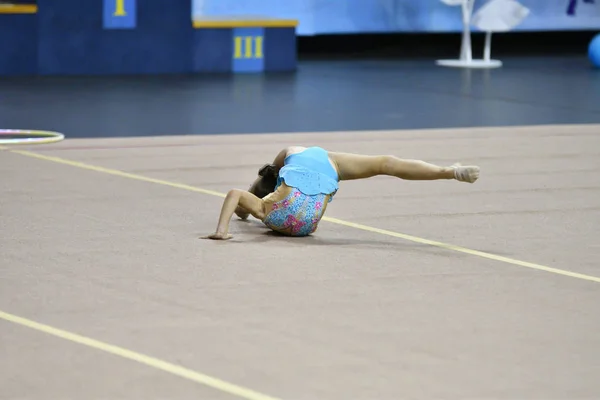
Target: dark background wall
[443, 45]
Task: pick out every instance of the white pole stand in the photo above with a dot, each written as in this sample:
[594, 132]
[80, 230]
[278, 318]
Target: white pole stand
[469, 62]
[474, 64]
[494, 16]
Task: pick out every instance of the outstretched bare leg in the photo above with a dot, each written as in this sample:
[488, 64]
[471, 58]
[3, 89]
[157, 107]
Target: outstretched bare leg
[356, 166]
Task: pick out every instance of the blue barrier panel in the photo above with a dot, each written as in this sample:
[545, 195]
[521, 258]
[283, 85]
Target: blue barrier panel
[79, 37]
[280, 45]
[212, 50]
[244, 45]
[120, 14]
[103, 37]
[18, 40]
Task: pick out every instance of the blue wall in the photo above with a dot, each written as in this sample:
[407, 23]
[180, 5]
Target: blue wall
[18, 44]
[278, 50]
[356, 16]
[104, 37]
[73, 40]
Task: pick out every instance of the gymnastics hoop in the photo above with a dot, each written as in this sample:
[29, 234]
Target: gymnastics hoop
[30, 137]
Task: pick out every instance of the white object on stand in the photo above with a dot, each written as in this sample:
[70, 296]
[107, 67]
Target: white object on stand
[494, 16]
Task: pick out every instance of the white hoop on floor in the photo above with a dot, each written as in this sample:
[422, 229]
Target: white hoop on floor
[30, 137]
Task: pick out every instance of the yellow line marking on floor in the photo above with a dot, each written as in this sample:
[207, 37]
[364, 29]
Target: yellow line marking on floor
[329, 219]
[117, 173]
[467, 251]
[141, 358]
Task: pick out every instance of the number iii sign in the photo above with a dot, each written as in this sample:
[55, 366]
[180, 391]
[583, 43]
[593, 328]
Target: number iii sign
[248, 53]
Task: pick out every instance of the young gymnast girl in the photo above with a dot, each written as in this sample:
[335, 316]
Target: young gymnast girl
[305, 181]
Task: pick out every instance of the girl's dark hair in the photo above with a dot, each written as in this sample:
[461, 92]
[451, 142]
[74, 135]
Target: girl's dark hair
[269, 174]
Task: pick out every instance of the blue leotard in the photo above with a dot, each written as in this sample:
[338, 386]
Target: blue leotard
[314, 182]
[310, 172]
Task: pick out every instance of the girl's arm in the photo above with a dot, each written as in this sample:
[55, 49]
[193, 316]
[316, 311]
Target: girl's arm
[236, 199]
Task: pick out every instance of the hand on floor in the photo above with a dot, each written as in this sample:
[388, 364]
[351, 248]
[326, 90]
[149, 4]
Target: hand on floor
[218, 236]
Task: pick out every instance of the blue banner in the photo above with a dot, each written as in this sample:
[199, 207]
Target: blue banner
[120, 14]
[372, 16]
